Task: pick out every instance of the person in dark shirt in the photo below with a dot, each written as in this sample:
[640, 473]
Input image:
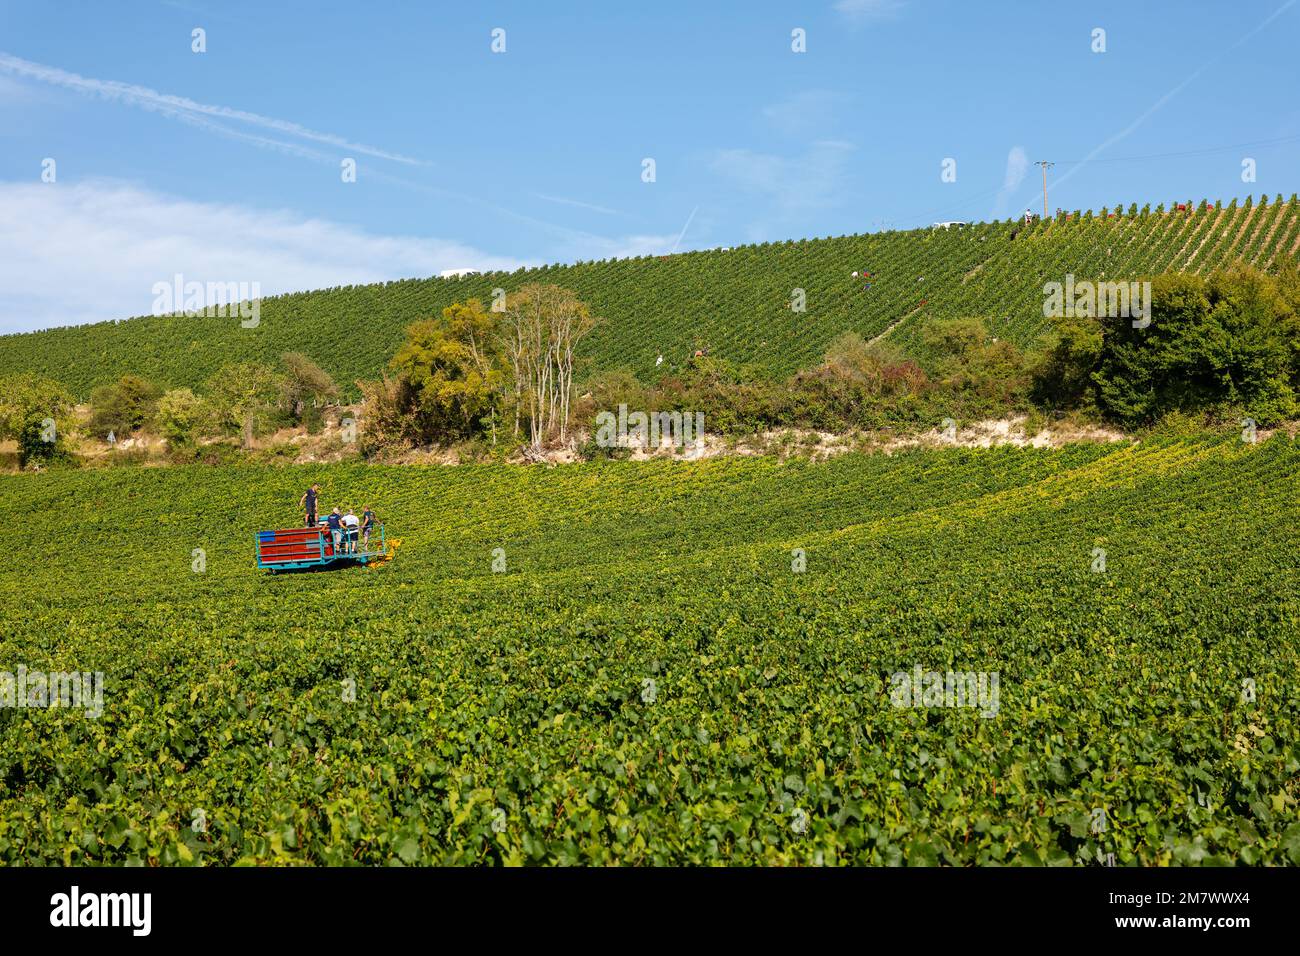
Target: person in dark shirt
[367, 525]
[308, 502]
[335, 524]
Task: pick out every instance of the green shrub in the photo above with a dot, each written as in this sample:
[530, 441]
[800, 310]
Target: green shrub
[179, 415]
[1223, 345]
[41, 443]
[124, 407]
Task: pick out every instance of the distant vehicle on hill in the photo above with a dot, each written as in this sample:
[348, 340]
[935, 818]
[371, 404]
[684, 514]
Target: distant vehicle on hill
[948, 225]
[456, 273]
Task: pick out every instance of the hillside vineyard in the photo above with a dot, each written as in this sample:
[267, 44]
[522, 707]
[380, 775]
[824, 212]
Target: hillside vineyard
[737, 304]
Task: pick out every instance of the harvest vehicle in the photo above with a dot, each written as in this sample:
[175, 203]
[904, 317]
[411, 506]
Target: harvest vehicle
[293, 549]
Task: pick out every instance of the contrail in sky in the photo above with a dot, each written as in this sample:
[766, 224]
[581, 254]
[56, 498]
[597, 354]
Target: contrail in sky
[179, 106]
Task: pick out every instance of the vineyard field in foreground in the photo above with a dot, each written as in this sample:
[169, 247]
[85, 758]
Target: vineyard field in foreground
[735, 304]
[651, 680]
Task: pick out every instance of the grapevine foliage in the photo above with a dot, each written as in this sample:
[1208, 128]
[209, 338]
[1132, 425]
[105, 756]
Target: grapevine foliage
[735, 304]
[620, 663]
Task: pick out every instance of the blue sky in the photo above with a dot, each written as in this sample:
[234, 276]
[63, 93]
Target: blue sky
[225, 165]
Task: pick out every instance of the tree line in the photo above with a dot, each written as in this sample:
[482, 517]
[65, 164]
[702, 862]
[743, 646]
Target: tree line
[1215, 348]
[469, 372]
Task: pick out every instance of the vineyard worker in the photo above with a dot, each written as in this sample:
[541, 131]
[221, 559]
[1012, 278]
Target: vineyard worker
[350, 523]
[367, 525]
[308, 501]
[335, 523]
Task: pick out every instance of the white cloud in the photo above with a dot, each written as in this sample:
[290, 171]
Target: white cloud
[181, 107]
[1017, 166]
[92, 251]
[793, 185]
[619, 247]
[812, 111]
[573, 243]
[861, 11]
[1012, 179]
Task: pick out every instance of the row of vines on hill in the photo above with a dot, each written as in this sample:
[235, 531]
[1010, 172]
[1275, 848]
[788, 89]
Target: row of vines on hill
[740, 304]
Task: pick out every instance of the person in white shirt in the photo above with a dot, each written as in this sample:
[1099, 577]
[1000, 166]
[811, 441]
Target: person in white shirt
[350, 524]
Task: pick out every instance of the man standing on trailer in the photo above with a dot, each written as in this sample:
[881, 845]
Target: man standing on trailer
[367, 525]
[334, 521]
[308, 502]
[350, 524]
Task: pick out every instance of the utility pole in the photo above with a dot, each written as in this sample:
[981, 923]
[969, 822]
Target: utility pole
[1045, 165]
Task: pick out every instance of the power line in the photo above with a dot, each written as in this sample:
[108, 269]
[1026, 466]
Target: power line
[1187, 152]
[962, 204]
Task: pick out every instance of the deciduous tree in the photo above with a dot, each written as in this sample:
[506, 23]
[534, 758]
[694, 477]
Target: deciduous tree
[539, 334]
[451, 371]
